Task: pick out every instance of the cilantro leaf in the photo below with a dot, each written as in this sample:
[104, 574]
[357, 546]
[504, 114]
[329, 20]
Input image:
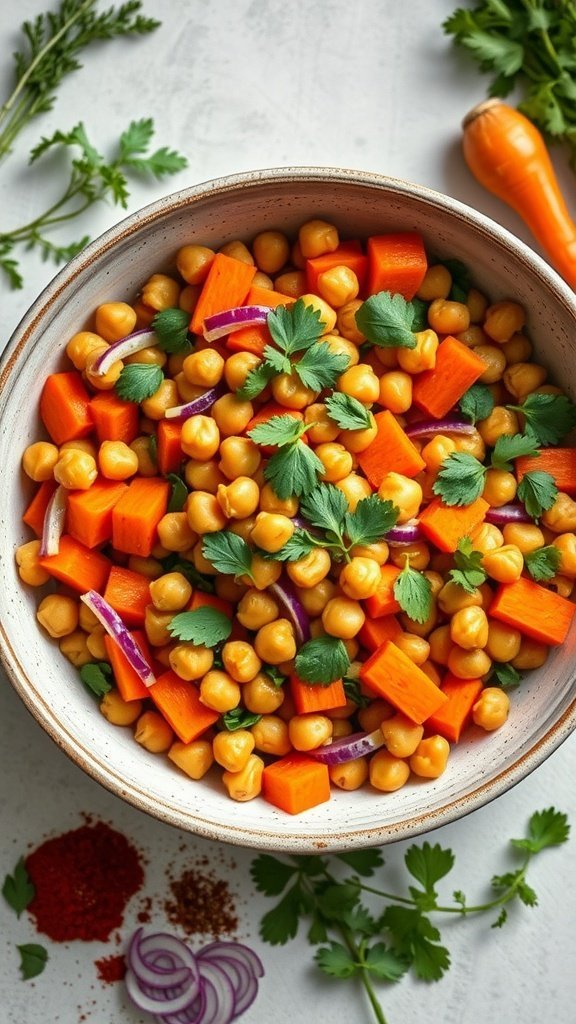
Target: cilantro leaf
[385, 963]
[278, 430]
[33, 959]
[511, 446]
[336, 961]
[537, 491]
[545, 828]
[228, 553]
[179, 494]
[295, 328]
[420, 318]
[320, 367]
[137, 137]
[354, 693]
[468, 573]
[477, 403]
[205, 627]
[270, 874]
[281, 923]
[256, 381]
[461, 279]
[460, 479]
[171, 329]
[428, 864]
[326, 508]
[239, 718]
[413, 591]
[371, 520]
[386, 320]
[415, 938]
[293, 471]
[548, 417]
[138, 381]
[300, 544]
[506, 676]
[543, 563]
[18, 890]
[97, 677]
[322, 660]
[348, 412]
[364, 862]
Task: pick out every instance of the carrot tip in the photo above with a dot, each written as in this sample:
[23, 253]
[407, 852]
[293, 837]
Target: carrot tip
[479, 109]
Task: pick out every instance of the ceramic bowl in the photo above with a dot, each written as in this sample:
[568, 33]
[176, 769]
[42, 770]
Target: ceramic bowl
[483, 765]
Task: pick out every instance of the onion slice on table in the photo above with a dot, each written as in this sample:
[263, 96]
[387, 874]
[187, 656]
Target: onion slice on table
[162, 960]
[117, 630]
[243, 967]
[121, 349]
[197, 406]
[507, 514]
[229, 320]
[53, 525]
[407, 533]
[428, 428]
[348, 748]
[294, 610]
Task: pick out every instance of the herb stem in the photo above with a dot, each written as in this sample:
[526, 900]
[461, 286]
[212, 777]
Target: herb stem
[358, 956]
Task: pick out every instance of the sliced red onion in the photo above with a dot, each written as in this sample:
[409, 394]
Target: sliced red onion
[243, 967]
[117, 630]
[53, 526]
[234, 951]
[197, 406]
[125, 347]
[427, 428]
[230, 320]
[216, 1003]
[407, 533]
[348, 748]
[159, 999]
[162, 960]
[284, 593]
[507, 514]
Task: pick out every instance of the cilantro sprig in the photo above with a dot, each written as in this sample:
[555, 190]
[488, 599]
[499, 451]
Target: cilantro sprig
[543, 563]
[204, 626]
[387, 320]
[228, 553]
[171, 329]
[348, 412]
[477, 403]
[468, 572]
[294, 469]
[352, 941]
[18, 889]
[548, 417]
[138, 381]
[413, 591]
[322, 660]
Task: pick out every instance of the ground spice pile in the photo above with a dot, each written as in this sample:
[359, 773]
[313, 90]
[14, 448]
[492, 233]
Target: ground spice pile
[201, 903]
[83, 881]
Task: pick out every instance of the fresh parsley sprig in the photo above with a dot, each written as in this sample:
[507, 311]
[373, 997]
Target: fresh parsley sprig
[461, 477]
[294, 469]
[413, 591]
[138, 381]
[537, 491]
[477, 403]
[171, 329]
[322, 660]
[387, 320]
[228, 553]
[205, 627]
[468, 572]
[548, 417]
[543, 563]
[353, 942]
[348, 412]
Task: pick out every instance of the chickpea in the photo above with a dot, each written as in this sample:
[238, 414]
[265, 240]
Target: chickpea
[75, 470]
[219, 691]
[360, 578]
[146, 464]
[503, 641]
[153, 732]
[404, 493]
[414, 647]
[472, 444]
[421, 629]
[343, 617]
[261, 696]
[518, 349]
[149, 356]
[271, 736]
[494, 361]
[232, 749]
[395, 391]
[237, 251]
[190, 661]
[189, 296]
[311, 569]
[499, 487]
[271, 531]
[340, 346]
[526, 537]
[200, 437]
[309, 731]
[289, 391]
[203, 475]
[377, 711]
[292, 283]
[338, 286]
[229, 590]
[118, 711]
[187, 392]
[354, 488]
[317, 237]
[350, 775]
[247, 783]
[468, 664]
[256, 608]
[238, 455]
[58, 615]
[531, 655]
[452, 597]
[401, 735]
[561, 517]
[101, 381]
[231, 415]
[477, 305]
[322, 428]
[263, 572]
[336, 460]
[423, 356]
[237, 368]
[359, 440]
[386, 357]
[271, 250]
[156, 626]
[275, 642]
[388, 773]
[151, 568]
[174, 533]
[522, 378]
[565, 543]
[378, 552]
[166, 397]
[446, 317]
[469, 628]
[486, 537]
[500, 421]
[171, 592]
[240, 661]
[314, 599]
[437, 283]
[239, 498]
[430, 758]
[204, 369]
[204, 513]
[491, 709]
[346, 322]
[194, 758]
[563, 585]
[160, 292]
[81, 445]
[116, 460]
[436, 451]
[114, 320]
[95, 643]
[194, 262]
[39, 460]
[473, 337]
[504, 319]
[418, 554]
[440, 643]
[81, 346]
[505, 564]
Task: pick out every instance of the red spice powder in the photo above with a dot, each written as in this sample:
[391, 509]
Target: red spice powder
[83, 881]
[111, 968]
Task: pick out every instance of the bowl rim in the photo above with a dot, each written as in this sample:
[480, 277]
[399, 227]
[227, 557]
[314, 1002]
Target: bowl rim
[101, 770]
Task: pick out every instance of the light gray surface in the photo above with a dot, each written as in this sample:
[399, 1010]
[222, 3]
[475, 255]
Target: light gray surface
[239, 86]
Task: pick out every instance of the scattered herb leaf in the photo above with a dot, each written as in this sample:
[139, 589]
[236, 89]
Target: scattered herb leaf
[386, 320]
[179, 494]
[511, 446]
[477, 403]
[239, 718]
[505, 674]
[293, 471]
[543, 563]
[468, 573]
[348, 412]
[228, 553]
[97, 677]
[138, 381]
[33, 960]
[171, 328]
[322, 660]
[371, 521]
[460, 479]
[18, 890]
[548, 417]
[278, 431]
[206, 627]
[537, 491]
[413, 591]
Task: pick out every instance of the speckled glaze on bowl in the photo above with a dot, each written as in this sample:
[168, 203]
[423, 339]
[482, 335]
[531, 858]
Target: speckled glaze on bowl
[114, 267]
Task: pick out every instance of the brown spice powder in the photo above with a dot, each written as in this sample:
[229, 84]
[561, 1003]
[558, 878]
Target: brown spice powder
[202, 904]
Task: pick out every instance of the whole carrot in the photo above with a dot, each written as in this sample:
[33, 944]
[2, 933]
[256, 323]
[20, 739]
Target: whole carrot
[507, 154]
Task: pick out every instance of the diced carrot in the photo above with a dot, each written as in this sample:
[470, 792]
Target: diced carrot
[136, 516]
[267, 297]
[127, 680]
[396, 263]
[225, 287]
[296, 783]
[375, 631]
[389, 673]
[316, 698]
[179, 702]
[391, 451]
[128, 593]
[202, 600]
[457, 368]
[445, 525]
[348, 254]
[89, 513]
[249, 339]
[169, 452]
[537, 612]
[455, 714]
[114, 419]
[34, 514]
[383, 601]
[77, 566]
[65, 407]
[559, 462]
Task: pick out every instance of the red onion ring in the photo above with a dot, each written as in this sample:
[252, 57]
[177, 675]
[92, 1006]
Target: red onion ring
[507, 514]
[216, 1003]
[157, 998]
[230, 320]
[162, 960]
[125, 347]
[284, 593]
[348, 748]
[407, 533]
[53, 525]
[243, 967]
[197, 406]
[427, 428]
[115, 628]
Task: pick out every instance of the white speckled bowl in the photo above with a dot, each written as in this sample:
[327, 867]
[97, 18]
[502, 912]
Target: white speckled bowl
[115, 266]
